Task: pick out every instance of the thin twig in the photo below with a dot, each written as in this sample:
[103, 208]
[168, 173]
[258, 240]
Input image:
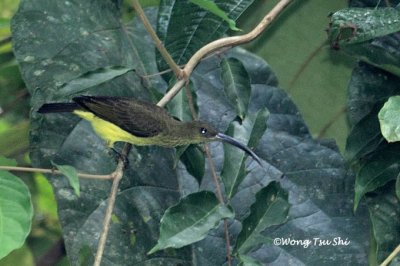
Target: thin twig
[222, 43]
[164, 53]
[221, 200]
[52, 171]
[117, 176]
[391, 256]
[305, 64]
[214, 176]
[338, 114]
[228, 243]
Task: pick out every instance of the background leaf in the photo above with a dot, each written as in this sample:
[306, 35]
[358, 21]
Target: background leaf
[92, 78]
[16, 212]
[72, 176]
[251, 129]
[380, 169]
[190, 220]
[355, 25]
[184, 27]
[287, 146]
[213, 8]
[236, 84]
[385, 211]
[270, 208]
[389, 119]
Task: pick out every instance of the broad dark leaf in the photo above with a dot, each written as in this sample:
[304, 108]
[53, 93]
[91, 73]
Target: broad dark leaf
[357, 25]
[184, 27]
[190, 220]
[194, 160]
[365, 137]
[381, 52]
[313, 173]
[377, 171]
[213, 8]
[270, 208]
[384, 208]
[369, 86]
[91, 79]
[236, 85]
[249, 131]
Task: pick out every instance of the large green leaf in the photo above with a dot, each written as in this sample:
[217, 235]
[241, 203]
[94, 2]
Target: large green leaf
[16, 211]
[377, 171]
[70, 173]
[369, 34]
[314, 173]
[184, 27]
[236, 84]
[248, 132]
[356, 25]
[389, 119]
[384, 209]
[270, 208]
[213, 8]
[369, 88]
[190, 220]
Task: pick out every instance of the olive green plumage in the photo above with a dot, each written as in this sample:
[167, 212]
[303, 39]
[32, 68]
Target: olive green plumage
[139, 123]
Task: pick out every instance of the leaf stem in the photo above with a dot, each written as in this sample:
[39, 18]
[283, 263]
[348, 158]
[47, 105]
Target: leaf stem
[117, 176]
[164, 53]
[52, 171]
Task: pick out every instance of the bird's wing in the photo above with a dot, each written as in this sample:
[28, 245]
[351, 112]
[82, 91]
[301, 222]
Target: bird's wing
[133, 116]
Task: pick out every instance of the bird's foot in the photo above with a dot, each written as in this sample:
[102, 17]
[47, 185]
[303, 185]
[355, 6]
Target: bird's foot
[120, 157]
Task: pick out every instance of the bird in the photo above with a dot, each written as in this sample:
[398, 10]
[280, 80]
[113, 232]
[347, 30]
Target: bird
[140, 123]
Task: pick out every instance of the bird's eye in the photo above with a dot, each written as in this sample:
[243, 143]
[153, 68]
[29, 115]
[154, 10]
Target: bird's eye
[203, 130]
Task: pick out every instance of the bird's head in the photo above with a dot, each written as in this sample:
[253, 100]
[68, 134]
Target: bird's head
[202, 132]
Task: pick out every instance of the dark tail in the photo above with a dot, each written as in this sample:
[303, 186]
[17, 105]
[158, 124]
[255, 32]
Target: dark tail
[58, 108]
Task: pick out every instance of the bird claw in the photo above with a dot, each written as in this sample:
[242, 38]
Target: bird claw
[120, 157]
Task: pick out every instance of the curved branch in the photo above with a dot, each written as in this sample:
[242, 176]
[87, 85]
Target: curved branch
[223, 43]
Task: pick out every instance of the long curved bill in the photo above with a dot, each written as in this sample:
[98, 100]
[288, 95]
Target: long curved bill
[234, 142]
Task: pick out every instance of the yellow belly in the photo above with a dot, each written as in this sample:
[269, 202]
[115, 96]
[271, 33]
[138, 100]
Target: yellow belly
[112, 133]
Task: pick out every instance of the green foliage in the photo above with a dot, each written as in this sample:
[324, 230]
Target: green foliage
[389, 119]
[16, 211]
[384, 210]
[190, 220]
[200, 27]
[236, 84]
[213, 8]
[249, 131]
[362, 32]
[357, 25]
[72, 176]
[270, 208]
[374, 82]
[91, 79]
[312, 171]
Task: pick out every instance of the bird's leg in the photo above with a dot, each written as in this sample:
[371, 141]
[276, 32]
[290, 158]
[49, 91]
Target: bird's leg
[119, 156]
